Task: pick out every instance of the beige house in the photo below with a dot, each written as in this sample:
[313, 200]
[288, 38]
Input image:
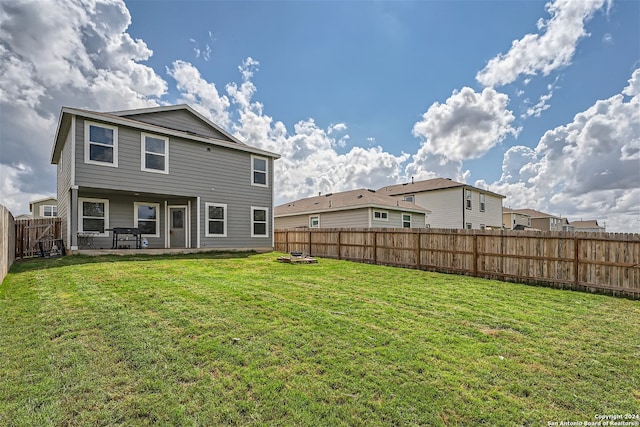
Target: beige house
[44, 208]
[356, 208]
[543, 221]
[452, 204]
[512, 220]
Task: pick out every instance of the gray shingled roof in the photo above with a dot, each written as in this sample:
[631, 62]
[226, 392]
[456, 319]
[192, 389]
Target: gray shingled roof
[345, 200]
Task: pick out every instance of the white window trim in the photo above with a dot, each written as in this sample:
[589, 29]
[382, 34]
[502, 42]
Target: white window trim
[87, 144]
[411, 196]
[311, 221]
[81, 200]
[207, 219]
[468, 195]
[157, 220]
[43, 208]
[143, 151]
[483, 203]
[266, 171]
[402, 221]
[258, 208]
[386, 213]
[468, 226]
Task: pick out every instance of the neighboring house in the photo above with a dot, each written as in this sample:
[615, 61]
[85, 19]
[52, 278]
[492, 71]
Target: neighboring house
[183, 181]
[44, 208]
[23, 217]
[512, 220]
[590, 226]
[543, 221]
[356, 208]
[566, 226]
[452, 204]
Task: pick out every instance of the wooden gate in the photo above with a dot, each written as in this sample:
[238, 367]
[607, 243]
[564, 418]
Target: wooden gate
[31, 232]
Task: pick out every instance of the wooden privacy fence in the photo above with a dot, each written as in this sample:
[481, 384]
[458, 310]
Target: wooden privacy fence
[603, 262]
[7, 241]
[31, 231]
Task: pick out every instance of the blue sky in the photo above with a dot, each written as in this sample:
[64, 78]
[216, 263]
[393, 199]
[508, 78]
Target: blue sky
[534, 100]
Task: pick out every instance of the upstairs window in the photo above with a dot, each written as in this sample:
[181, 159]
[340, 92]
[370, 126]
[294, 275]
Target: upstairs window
[259, 222]
[155, 153]
[49, 211]
[410, 199]
[146, 218]
[482, 205]
[216, 220]
[314, 221]
[468, 198]
[259, 171]
[100, 144]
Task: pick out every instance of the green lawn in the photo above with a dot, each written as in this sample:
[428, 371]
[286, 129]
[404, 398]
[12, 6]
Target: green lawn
[244, 340]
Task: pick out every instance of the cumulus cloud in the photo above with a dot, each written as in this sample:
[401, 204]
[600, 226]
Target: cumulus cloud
[589, 167]
[199, 93]
[467, 125]
[81, 56]
[552, 48]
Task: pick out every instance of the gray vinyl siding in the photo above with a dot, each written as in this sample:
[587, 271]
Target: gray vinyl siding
[355, 218]
[214, 174]
[63, 179]
[395, 219]
[179, 120]
[336, 219]
[220, 173]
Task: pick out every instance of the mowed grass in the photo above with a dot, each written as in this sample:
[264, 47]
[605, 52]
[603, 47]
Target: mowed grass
[214, 339]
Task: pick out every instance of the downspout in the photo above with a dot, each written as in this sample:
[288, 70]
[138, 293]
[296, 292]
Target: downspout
[464, 208]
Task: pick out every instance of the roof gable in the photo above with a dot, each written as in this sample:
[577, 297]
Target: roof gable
[179, 117]
[354, 199]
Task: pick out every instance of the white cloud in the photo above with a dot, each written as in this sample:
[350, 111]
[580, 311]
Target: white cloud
[466, 126]
[339, 127]
[545, 52]
[537, 109]
[588, 168]
[199, 93]
[73, 53]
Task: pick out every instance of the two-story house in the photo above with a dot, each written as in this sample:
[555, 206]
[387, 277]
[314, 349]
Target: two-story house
[356, 208]
[452, 204]
[167, 172]
[512, 220]
[44, 208]
[543, 221]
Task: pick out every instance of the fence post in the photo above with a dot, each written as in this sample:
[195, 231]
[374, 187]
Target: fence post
[375, 247]
[309, 242]
[475, 255]
[576, 268]
[339, 235]
[286, 241]
[418, 249]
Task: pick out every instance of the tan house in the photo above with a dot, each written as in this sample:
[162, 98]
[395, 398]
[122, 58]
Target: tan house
[452, 204]
[543, 221]
[512, 220]
[590, 226]
[356, 208]
[44, 208]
